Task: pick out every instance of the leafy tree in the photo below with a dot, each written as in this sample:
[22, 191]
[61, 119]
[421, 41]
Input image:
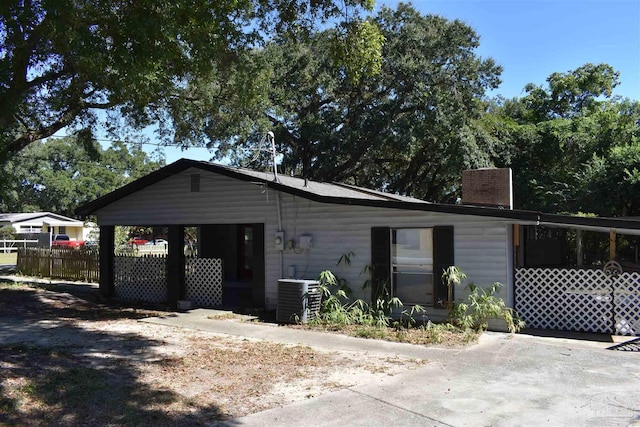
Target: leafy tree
[610, 183]
[570, 94]
[53, 175]
[573, 147]
[407, 129]
[63, 61]
[7, 232]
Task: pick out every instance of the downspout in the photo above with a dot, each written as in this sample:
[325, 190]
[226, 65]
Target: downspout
[279, 229]
[272, 140]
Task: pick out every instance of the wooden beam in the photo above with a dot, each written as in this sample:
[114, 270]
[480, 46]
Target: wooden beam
[612, 244]
[516, 245]
[579, 248]
[107, 244]
[175, 264]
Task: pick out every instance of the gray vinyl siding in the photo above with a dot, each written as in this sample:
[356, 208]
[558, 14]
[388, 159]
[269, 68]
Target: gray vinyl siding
[482, 245]
[221, 200]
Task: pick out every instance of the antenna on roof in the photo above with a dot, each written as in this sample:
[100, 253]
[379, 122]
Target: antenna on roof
[272, 139]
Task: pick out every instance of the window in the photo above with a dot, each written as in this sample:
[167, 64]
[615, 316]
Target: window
[412, 265]
[62, 229]
[30, 229]
[408, 263]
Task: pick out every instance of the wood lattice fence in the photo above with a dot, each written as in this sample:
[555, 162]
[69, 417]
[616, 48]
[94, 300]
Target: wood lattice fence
[143, 278]
[584, 300]
[64, 263]
[136, 277]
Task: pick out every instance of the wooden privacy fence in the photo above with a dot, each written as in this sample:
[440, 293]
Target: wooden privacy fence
[64, 263]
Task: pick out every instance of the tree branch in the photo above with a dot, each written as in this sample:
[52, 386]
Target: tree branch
[30, 136]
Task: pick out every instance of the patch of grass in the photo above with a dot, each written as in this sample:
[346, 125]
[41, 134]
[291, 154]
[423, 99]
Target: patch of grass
[370, 332]
[225, 316]
[10, 285]
[72, 385]
[11, 258]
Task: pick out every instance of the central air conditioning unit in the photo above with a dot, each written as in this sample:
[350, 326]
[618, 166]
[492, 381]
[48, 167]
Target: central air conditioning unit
[298, 300]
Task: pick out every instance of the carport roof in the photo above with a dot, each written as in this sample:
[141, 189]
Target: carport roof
[344, 194]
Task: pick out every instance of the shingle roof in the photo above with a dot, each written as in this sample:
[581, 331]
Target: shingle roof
[344, 194]
[322, 189]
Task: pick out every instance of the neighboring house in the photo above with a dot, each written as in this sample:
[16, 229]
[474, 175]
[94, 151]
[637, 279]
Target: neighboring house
[259, 229]
[43, 222]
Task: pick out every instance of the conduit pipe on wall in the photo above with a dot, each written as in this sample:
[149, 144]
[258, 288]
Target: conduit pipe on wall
[272, 142]
[279, 229]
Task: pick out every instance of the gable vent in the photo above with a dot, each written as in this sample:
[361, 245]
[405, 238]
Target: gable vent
[195, 183]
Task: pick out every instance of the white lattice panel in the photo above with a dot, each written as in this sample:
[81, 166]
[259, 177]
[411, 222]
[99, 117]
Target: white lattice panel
[203, 280]
[140, 279]
[627, 303]
[564, 299]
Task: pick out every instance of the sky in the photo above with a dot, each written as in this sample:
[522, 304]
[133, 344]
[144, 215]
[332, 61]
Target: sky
[533, 38]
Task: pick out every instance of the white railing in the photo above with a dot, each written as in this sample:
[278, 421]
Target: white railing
[159, 249]
[8, 246]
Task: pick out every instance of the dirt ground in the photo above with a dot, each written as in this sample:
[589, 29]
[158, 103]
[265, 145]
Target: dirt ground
[66, 360]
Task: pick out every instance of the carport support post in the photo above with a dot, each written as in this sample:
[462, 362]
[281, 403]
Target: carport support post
[579, 248]
[107, 245]
[175, 264]
[612, 244]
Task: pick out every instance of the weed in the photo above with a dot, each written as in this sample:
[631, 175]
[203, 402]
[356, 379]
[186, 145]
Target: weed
[482, 305]
[337, 310]
[371, 332]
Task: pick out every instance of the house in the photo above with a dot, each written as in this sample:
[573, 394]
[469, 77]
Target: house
[254, 228]
[43, 222]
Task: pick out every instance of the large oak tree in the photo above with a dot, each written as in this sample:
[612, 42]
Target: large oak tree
[407, 129]
[62, 61]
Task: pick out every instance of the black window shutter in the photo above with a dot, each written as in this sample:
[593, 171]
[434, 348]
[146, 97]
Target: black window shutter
[442, 258]
[380, 262]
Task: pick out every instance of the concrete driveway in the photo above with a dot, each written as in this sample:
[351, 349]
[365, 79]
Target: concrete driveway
[505, 380]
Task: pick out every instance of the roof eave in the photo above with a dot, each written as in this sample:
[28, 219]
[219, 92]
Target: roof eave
[518, 216]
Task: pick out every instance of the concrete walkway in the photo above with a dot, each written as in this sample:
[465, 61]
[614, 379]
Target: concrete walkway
[504, 380]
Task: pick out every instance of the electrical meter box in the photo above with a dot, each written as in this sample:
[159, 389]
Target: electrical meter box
[305, 242]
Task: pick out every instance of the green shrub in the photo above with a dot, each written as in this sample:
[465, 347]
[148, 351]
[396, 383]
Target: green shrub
[337, 310]
[482, 305]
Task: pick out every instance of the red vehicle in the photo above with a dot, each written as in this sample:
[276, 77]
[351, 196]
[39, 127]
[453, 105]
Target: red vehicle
[63, 241]
[137, 241]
